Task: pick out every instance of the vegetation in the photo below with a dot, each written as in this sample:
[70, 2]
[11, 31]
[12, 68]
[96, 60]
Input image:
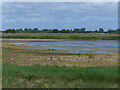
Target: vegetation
[57, 77]
[28, 68]
[75, 30]
[76, 33]
[80, 36]
[20, 56]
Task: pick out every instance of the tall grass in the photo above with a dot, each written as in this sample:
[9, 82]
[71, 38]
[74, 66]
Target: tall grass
[80, 36]
[54, 75]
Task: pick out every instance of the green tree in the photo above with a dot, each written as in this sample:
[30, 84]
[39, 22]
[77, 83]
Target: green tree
[35, 30]
[10, 31]
[101, 30]
[47, 30]
[19, 30]
[69, 31]
[25, 30]
[55, 31]
[76, 30]
[82, 30]
[64, 31]
[96, 31]
[118, 30]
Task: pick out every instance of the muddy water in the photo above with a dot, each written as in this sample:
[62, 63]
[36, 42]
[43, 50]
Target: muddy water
[75, 46]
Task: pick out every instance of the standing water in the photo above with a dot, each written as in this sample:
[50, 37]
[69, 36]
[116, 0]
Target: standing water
[75, 46]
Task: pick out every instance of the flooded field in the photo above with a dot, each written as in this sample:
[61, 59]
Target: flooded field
[73, 46]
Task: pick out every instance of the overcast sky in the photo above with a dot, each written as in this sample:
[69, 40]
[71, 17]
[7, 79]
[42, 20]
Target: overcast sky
[51, 15]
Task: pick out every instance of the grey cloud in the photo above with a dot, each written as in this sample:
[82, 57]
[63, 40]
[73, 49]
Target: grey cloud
[61, 15]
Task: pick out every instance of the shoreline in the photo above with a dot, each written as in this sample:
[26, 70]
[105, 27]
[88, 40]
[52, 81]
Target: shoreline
[37, 40]
[14, 54]
[30, 40]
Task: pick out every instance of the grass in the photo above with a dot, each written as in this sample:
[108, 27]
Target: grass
[15, 49]
[17, 55]
[80, 36]
[54, 77]
[26, 68]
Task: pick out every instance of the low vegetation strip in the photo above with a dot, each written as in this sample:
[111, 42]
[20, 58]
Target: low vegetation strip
[80, 36]
[54, 76]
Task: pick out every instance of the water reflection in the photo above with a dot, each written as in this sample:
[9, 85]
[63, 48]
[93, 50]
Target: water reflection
[91, 46]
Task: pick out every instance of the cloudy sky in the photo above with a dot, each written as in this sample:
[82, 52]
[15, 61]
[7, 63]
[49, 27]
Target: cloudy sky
[51, 15]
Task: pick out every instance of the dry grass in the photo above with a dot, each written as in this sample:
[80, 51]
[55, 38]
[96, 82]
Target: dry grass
[27, 68]
[80, 36]
[20, 56]
[28, 40]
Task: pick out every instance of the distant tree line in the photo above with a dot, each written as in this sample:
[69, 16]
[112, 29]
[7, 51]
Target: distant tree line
[75, 30]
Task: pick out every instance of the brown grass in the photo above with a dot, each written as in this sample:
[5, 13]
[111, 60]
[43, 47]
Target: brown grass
[20, 56]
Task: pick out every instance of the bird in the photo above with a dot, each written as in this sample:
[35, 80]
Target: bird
[10, 12]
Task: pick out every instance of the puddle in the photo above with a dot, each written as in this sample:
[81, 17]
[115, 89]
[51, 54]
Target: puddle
[75, 46]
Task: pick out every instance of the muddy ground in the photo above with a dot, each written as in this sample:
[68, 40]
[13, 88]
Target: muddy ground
[21, 56]
[28, 40]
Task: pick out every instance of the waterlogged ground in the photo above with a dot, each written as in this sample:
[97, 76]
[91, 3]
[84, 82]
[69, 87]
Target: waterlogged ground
[61, 64]
[31, 53]
[70, 46]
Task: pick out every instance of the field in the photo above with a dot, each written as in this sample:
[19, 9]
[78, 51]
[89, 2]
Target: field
[58, 77]
[80, 36]
[29, 68]
[60, 45]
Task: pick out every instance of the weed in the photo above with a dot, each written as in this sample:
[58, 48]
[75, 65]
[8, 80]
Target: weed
[29, 76]
[90, 56]
[89, 61]
[79, 54]
[59, 59]
[51, 58]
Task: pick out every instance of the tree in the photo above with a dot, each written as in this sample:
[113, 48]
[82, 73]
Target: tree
[118, 30]
[109, 30]
[19, 30]
[35, 30]
[82, 30]
[77, 30]
[25, 30]
[10, 31]
[64, 31]
[55, 31]
[46, 30]
[96, 31]
[69, 31]
[101, 30]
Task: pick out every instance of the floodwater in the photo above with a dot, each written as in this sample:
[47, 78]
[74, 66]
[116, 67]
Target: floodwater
[74, 46]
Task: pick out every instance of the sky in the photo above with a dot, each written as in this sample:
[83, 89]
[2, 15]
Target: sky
[60, 15]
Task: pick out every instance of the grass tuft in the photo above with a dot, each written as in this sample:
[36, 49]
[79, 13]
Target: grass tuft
[106, 75]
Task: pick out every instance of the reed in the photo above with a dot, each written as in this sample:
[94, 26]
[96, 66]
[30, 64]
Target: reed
[80, 36]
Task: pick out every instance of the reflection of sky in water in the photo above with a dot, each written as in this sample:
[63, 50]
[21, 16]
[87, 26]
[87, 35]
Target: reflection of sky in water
[103, 46]
[17, 43]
